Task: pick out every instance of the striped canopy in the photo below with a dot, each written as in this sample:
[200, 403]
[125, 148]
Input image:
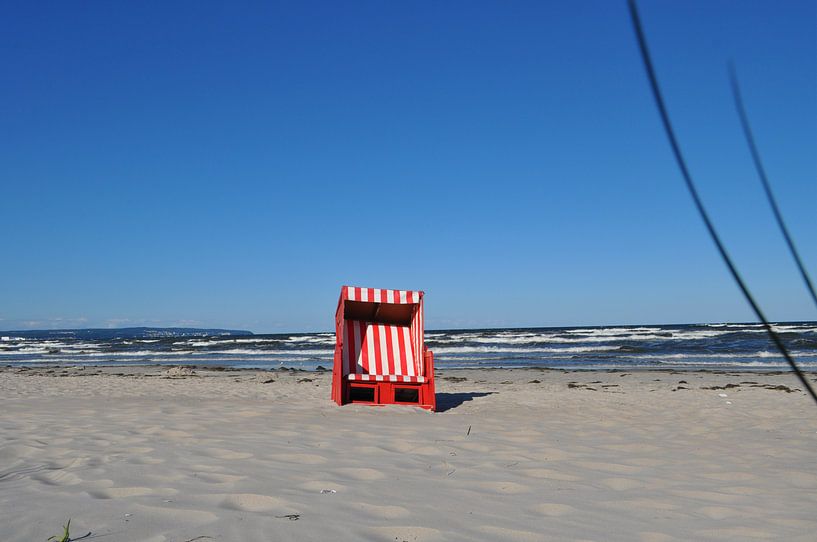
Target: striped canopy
[381, 343]
[380, 295]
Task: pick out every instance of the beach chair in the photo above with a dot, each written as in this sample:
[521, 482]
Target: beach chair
[380, 352]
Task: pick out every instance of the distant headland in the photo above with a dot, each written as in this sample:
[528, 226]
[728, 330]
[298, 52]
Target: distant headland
[122, 333]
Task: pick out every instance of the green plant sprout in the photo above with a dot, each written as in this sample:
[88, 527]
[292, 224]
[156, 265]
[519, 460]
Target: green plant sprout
[66, 535]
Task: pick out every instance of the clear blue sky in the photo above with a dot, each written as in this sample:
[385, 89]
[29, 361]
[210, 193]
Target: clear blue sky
[216, 164]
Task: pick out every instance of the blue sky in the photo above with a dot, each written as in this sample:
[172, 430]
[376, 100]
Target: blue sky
[216, 164]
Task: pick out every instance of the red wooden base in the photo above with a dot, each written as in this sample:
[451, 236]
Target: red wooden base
[388, 393]
[422, 395]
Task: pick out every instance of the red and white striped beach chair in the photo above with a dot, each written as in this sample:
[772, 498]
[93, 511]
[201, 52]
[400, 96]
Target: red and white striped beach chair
[380, 352]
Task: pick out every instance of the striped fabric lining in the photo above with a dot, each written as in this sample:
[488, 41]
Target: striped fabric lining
[379, 350]
[379, 295]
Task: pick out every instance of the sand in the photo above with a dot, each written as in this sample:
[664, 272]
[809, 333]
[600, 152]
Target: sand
[514, 455]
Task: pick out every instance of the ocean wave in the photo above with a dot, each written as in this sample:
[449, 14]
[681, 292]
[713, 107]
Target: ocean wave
[260, 352]
[198, 343]
[167, 360]
[501, 350]
[764, 364]
[733, 325]
[27, 350]
[760, 354]
[612, 330]
[135, 353]
[323, 337]
[575, 338]
[708, 345]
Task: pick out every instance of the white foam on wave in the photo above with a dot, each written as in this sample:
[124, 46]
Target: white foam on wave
[765, 364]
[198, 343]
[760, 354]
[227, 352]
[51, 345]
[323, 338]
[25, 350]
[135, 353]
[499, 350]
[260, 352]
[591, 335]
[760, 328]
[164, 359]
[612, 330]
[733, 325]
[617, 338]
[80, 347]
[597, 336]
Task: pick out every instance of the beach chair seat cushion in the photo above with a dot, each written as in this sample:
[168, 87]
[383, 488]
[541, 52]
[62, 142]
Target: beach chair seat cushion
[387, 378]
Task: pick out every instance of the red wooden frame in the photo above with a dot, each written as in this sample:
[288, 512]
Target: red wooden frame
[368, 324]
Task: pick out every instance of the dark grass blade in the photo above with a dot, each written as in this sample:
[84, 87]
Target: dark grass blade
[676, 149]
[761, 172]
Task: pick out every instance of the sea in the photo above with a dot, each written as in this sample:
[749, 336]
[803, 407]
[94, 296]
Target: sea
[725, 346]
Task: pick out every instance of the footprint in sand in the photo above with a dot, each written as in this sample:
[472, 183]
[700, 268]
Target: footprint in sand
[795, 523]
[428, 450]
[549, 474]
[743, 490]
[145, 460]
[279, 434]
[176, 516]
[218, 478]
[361, 474]
[120, 492]
[632, 448]
[13, 452]
[300, 459]
[373, 451]
[553, 509]
[551, 454]
[474, 447]
[57, 478]
[800, 479]
[223, 453]
[711, 496]
[504, 488]
[621, 484]
[408, 532]
[378, 512]
[647, 506]
[250, 502]
[730, 476]
[133, 450]
[734, 533]
[614, 468]
[652, 536]
[317, 486]
[398, 447]
[500, 533]
[359, 435]
[719, 512]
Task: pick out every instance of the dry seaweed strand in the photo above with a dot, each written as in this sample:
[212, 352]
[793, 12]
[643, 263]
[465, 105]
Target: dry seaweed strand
[761, 172]
[676, 149]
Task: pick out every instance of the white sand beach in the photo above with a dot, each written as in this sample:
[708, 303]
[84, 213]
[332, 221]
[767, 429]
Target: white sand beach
[139, 455]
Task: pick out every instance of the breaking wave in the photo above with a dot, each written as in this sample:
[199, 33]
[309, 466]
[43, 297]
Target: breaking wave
[726, 345]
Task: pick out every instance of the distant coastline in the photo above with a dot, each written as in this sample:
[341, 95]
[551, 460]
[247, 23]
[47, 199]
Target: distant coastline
[124, 333]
